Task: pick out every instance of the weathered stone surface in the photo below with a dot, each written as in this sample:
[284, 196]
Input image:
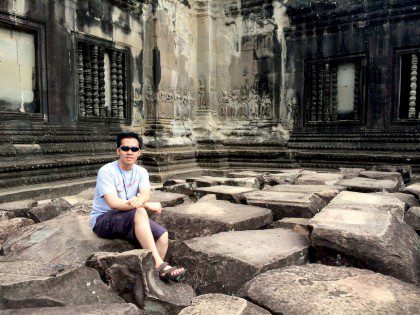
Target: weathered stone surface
[289, 177]
[373, 239]
[412, 218]
[62, 204]
[221, 304]
[326, 192]
[87, 194]
[208, 181]
[45, 212]
[223, 262]
[18, 208]
[244, 174]
[66, 240]
[314, 178]
[286, 204]
[5, 215]
[409, 199]
[413, 189]
[319, 289]
[82, 206]
[173, 181]
[349, 200]
[297, 225]
[76, 287]
[370, 185]
[383, 175]
[167, 199]
[350, 172]
[132, 275]
[207, 217]
[12, 226]
[94, 309]
[185, 189]
[224, 192]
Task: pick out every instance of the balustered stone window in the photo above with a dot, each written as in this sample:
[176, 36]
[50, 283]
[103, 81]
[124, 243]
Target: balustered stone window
[409, 104]
[102, 81]
[333, 91]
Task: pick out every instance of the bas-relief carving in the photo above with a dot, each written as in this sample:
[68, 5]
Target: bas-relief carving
[184, 103]
[150, 97]
[202, 94]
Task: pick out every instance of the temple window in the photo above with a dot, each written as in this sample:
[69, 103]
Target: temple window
[333, 91]
[409, 104]
[102, 81]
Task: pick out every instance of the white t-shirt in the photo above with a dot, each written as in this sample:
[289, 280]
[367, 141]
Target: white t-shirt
[114, 180]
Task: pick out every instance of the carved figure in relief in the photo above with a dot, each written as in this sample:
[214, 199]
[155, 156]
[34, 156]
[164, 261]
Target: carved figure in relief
[224, 103]
[234, 96]
[253, 104]
[177, 105]
[265, 109]
[202, 94]
[150, 97]
[243, 108]
[121, 203]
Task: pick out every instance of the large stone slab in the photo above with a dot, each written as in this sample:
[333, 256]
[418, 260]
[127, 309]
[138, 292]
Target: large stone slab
[180, 188]
[370, 185]
[413, 189]
[326, 192]
[94, 309]
[409, 199]
[221, 304]
[132, 275]
[297, 225]
[313, 178]
[286, 204]
[244, 174]
[383, 175]
[66, 240]
[286, 177]
[223, 262]
[76, 287]
[18, 209]
[373, 239]
[349, 200]
[412, 218]
[208, 181]
[319, 289]
[225, 192]
[45, 212]
[210, 217]
[167, 199]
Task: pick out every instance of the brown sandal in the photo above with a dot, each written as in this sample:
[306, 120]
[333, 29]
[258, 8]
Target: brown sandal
[166, 275]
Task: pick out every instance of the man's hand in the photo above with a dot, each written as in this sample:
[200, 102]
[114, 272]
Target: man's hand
[136, 202]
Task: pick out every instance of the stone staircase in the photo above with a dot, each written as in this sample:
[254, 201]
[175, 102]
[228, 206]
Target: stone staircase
[290, 241]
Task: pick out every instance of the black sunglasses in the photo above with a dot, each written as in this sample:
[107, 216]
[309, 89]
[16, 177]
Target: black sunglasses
[126, 148]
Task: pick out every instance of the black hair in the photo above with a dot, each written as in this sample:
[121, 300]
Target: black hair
[124, 135]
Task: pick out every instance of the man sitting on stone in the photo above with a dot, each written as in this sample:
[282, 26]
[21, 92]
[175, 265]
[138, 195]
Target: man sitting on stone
[122, 197]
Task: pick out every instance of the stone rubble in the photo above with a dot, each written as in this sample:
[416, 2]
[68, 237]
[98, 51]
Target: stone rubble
[221, 229]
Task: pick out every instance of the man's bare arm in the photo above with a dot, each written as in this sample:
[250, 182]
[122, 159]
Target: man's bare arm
[117, 203]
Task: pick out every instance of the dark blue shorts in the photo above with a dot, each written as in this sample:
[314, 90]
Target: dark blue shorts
[120, 224]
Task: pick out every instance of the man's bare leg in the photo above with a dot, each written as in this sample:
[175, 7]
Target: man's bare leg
[162, 245]
[145, 237]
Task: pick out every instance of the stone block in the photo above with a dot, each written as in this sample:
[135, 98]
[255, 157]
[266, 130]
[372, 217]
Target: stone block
[373, 239]
[383, 175]
[172, 182]
[79, 286]
[94, 309]
[350, 172]
[290, 177]
[185, 189]
[223, 262]
[408, 199]
[286, 204]
[88, 194]
[244, 174]
[314, 178]
[132, 275]
[413, 189]
[12, 226]
[208, 217]
[221, 304]
[319, 289]
[412, 218]
[225, 192]
[350, 200]
[370, 185]
[326, 192]
[167, 199]
[18, 209]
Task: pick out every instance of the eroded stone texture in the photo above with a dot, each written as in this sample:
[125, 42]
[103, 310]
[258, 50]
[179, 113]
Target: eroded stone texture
[320, 289]
[12, 226]
[314, 178]
[245, 174]
[94, 309]
[350, 172]
[409, 199]
[167, 199]
[207, 217]
[412, 218]
[349, 200]
[223, 262]
[132, 275]
[413, 189]
[45, 212]
[326, 192]
[286, 177]
[76, 287]
[286, 204]
[383, 175]
[373, 239]
[66, 240]
[224, 192]
[370, 185]
[221, 304]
